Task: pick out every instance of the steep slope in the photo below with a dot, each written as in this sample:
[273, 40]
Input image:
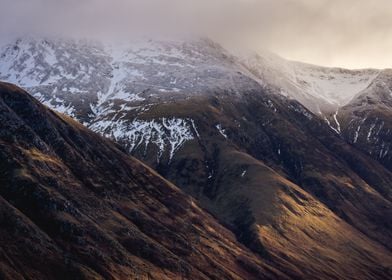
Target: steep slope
[283, 181]
[228, 167]
[74, 206]
[219, 126]
[367, 120]
[55, 70]
[84, 79]
[91, 80]
[320, 89]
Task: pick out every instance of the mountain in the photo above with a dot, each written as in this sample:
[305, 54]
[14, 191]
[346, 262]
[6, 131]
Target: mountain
[283, 181]
[141, 72]
[367, 119]
[322, 90]
[74, 205]
[59, 72]
[245, 135]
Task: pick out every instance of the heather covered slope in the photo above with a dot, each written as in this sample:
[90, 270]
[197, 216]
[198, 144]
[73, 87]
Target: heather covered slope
[89, 211]
[74, 206]
[283, 181]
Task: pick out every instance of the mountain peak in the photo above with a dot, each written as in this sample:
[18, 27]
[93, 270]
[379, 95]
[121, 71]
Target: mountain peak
[169, 67]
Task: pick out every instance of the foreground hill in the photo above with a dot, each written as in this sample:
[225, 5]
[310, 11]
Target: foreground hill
[75, 206]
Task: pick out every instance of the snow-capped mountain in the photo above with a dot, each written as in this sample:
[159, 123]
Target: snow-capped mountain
[367, 119]
[56, 71]
[242, 134]
[320, 89]
[102, 84]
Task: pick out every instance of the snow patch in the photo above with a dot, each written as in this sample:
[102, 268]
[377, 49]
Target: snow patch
[168, 134]
[357, 131]
[335, 117]
[195, 129]
[221, 130]
[370, 131]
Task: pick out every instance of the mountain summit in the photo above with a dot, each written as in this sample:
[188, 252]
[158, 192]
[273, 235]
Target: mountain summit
[292, 158]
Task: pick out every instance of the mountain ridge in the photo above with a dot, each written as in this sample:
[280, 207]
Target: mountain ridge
[182, 53]
[267, 164]
[73, 205]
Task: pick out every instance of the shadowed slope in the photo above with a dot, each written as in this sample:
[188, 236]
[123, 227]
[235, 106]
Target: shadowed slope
[286, 184]
[73, 205]
[367, 120]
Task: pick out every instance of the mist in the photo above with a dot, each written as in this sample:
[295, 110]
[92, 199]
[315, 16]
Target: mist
[345, 33]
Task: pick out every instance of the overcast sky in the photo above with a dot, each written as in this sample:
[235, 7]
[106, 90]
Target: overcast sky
[347, 33]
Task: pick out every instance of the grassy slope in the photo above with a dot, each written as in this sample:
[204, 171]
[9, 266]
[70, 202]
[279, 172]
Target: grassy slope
[74, 206]
[301, 201]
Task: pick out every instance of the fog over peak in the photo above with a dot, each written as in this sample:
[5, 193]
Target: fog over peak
[347, 33]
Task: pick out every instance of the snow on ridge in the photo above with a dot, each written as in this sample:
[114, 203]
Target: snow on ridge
[358, 129]
[335, 117]
[53, 61]
[357, 134]
[167, 134]
[371, 131]
[330, 126]
[125, 69]
[301, 110]
[179, 133]
[221, 130]
[57, 104]
[195, 129]
[118, 71]
[321, 89]
[334, 85]
[384, 150]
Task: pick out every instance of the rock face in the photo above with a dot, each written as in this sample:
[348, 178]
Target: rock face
[74, 206]
[248, 138]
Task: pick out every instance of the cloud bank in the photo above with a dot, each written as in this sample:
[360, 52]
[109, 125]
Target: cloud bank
[348, 33]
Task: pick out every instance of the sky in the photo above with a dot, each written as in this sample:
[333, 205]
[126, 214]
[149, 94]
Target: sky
[341, 33]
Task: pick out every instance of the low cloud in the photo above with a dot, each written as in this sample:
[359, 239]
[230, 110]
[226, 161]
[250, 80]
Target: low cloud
[350, 33]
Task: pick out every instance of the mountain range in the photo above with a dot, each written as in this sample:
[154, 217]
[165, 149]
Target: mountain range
[291, 160]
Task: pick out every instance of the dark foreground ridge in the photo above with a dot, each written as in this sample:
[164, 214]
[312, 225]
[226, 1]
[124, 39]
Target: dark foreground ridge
[73, 205]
